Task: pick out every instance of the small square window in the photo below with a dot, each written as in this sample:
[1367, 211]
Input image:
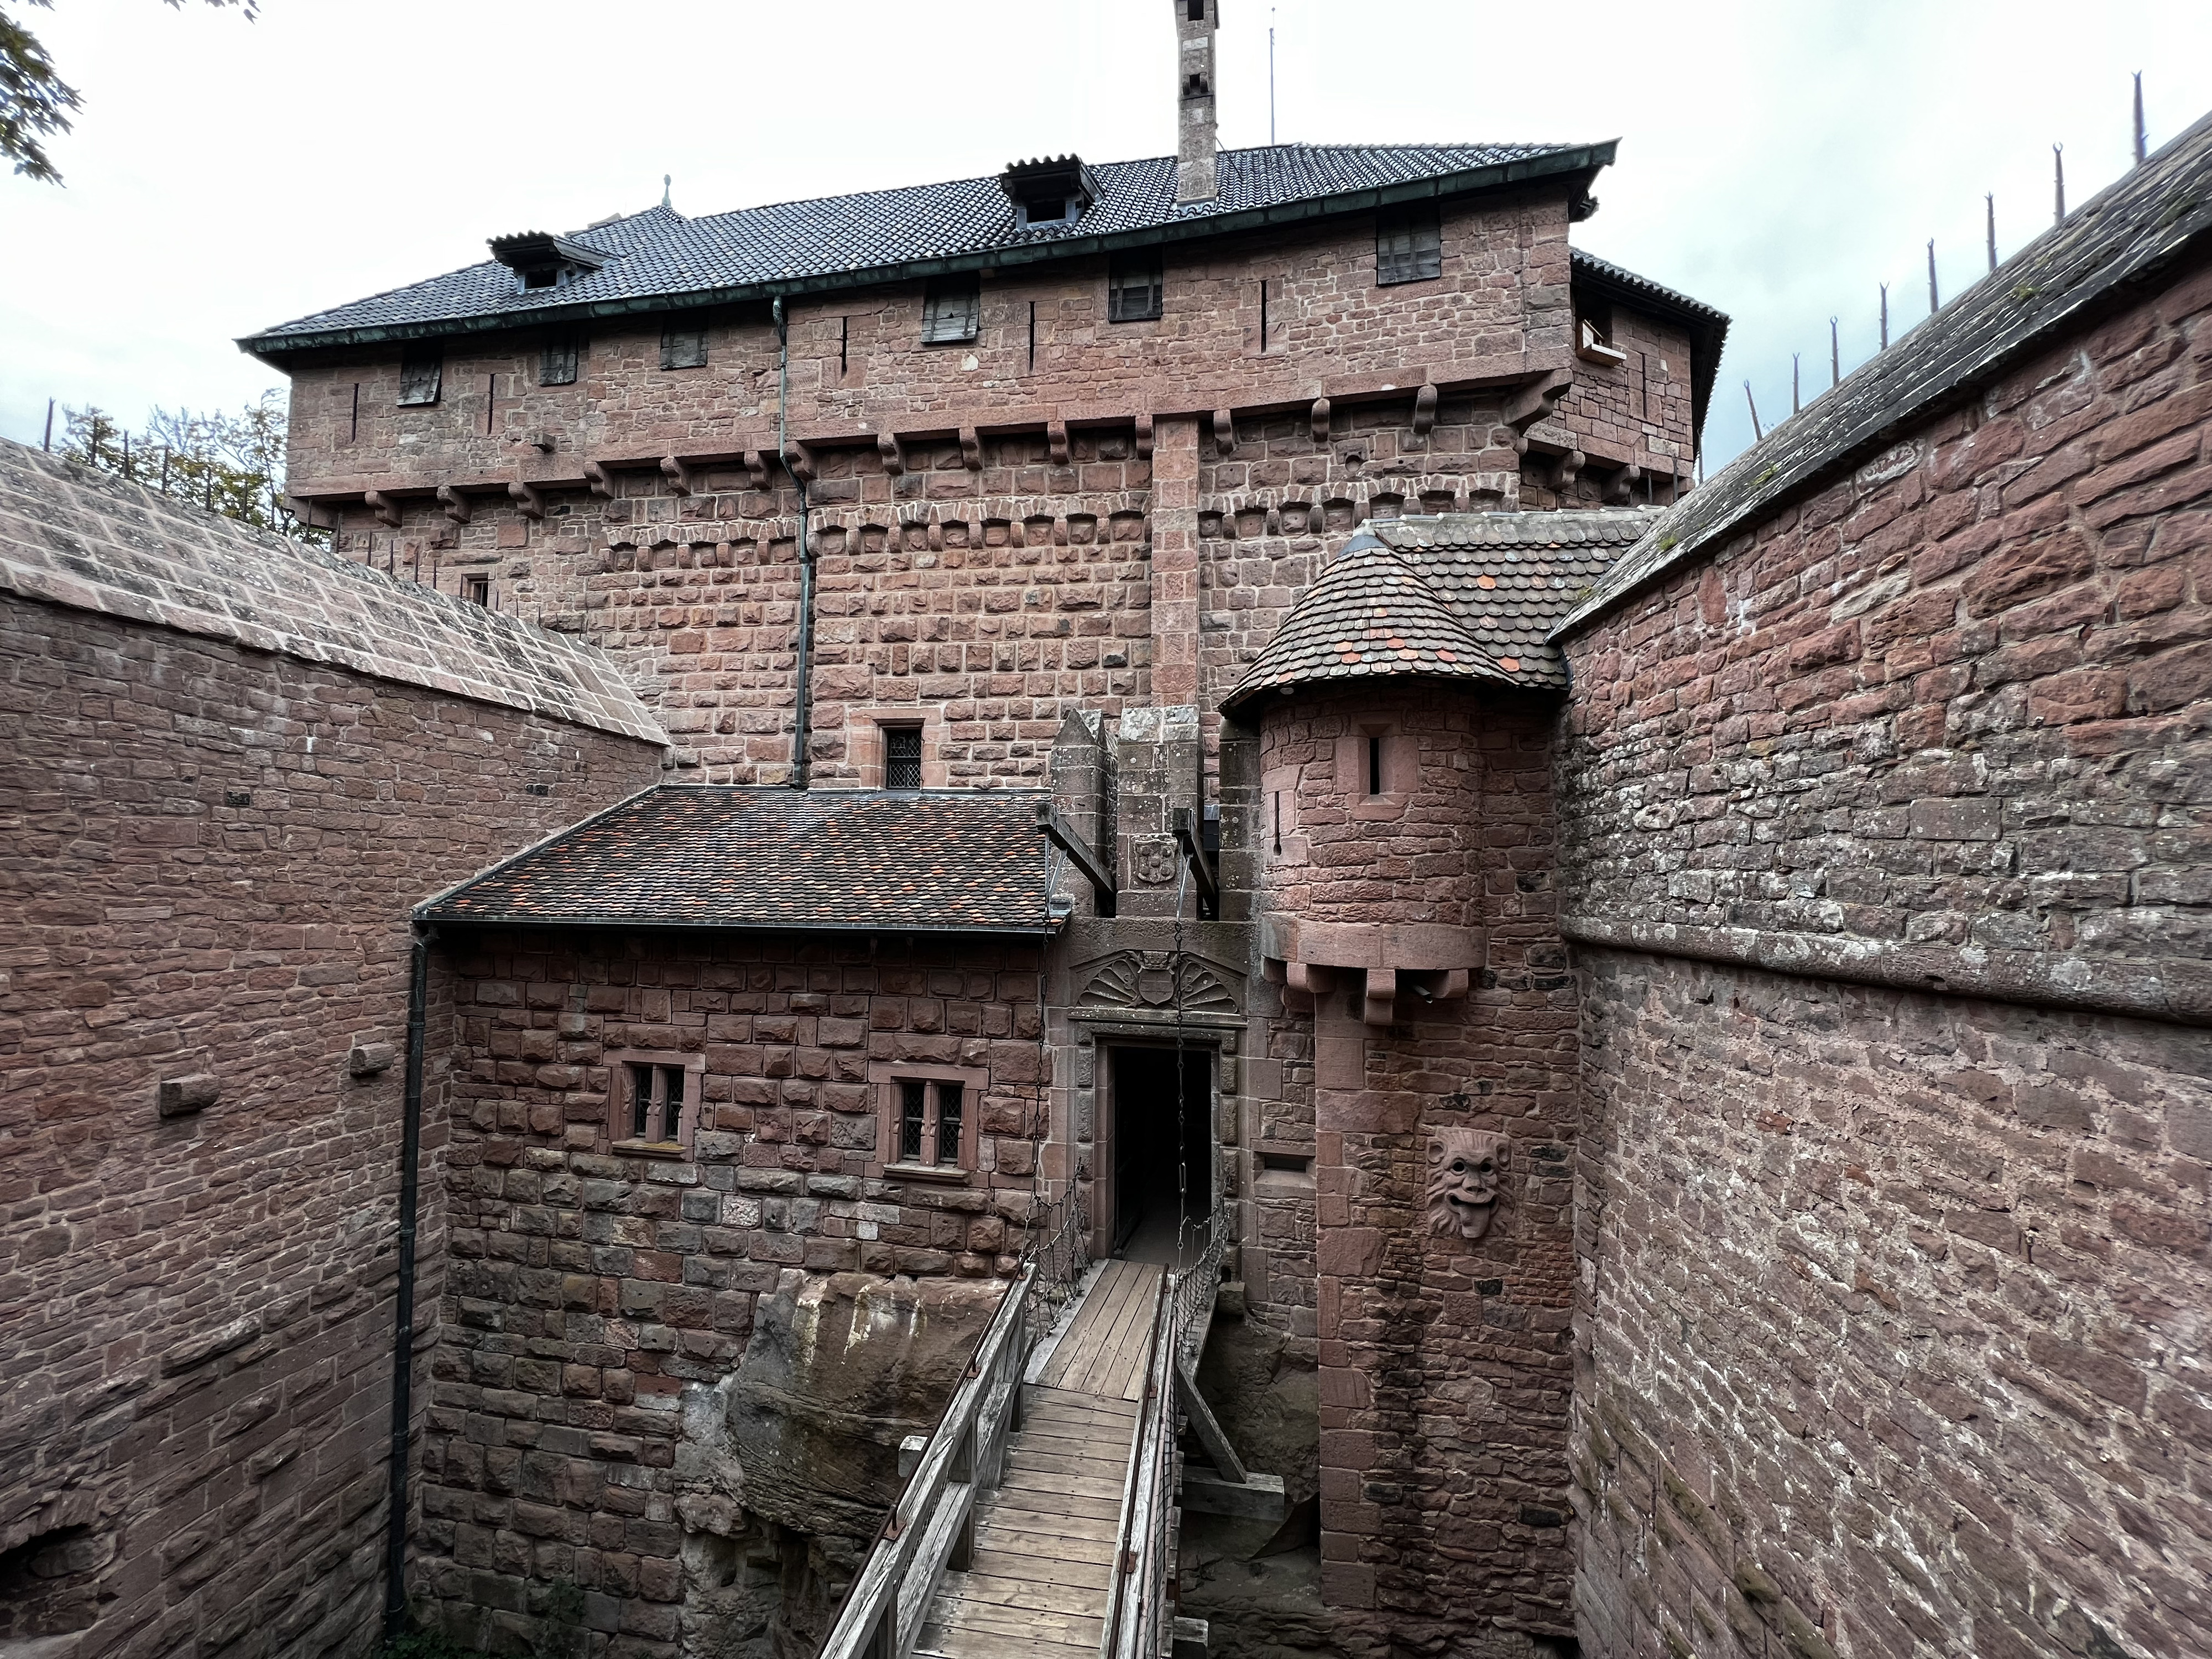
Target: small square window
[557, 359]
[951, 310]
[931, 1127]
[684, 346]
[476, 590]
[1408, 246]
[656, 1102]
[653, 1101]
[1134, 289]
[902, 758]
[420, 374]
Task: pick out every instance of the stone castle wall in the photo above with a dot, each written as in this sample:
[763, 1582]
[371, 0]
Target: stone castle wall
[1891, 1295]
[612, 1307]
[212, 850]
[1444, 1365]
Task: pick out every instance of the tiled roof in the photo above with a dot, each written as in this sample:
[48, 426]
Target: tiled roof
[694, 855]
[2107, 251]
[1368, 617]
[1706, 327]
[70, 535]
[1467, 596]
[660, 257]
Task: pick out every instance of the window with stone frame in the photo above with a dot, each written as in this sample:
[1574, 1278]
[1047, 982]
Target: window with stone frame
[929, 1128]
[902, 756]
[1408, 246]
[952, 309]
[421, 370]
[654, 1101]
[558, 357]
[1134, 290]
[683, 345]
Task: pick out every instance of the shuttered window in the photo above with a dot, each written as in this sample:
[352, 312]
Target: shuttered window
[420, 373]
[683, 345]
[1134, 289]
[1408, 247]
[951, 310]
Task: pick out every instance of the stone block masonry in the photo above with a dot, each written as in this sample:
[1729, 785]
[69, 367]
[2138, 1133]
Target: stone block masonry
[602, 1295]
[211, 851]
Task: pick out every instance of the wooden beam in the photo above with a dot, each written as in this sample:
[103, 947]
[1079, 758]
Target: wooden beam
[1206, 1428]
[1186, 831]
[1062, 834]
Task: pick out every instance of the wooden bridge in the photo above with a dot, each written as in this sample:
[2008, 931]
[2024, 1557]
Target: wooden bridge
[1039, 1521]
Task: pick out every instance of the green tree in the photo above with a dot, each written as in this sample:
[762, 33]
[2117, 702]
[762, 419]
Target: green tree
[36, 102]
[228, 462]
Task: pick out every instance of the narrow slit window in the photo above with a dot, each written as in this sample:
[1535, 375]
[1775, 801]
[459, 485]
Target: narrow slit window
[914, 1113]
[683, 345]
[1374, 765]
[1134, 289]
[902, 758]
[951, 310]
[556, 362]
[948, 1123]
[420, 374]
[1279, 821]
[1408, 246]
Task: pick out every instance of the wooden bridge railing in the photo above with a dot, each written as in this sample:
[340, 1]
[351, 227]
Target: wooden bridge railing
[931, 1526]
[1136, 1610]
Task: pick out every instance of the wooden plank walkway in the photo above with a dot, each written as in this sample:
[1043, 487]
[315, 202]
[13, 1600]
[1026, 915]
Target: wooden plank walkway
[1036, 1582]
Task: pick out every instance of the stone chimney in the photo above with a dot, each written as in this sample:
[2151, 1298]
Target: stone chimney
[1195, 151]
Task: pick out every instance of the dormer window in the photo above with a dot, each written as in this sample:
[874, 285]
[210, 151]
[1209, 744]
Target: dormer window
[541, 260]
[1055, 191]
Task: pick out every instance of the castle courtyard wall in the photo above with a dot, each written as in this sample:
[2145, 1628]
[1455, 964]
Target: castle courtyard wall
[1886, 829]
[212, 850]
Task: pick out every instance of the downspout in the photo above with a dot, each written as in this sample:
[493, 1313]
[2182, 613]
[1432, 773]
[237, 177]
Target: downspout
[803, 726]
[402, 1340]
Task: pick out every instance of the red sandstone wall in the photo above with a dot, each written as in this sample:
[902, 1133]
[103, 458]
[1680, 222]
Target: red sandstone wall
[1503, 295]
[1892, 1297]
[211, 852]
[597, 1300]
[1444, 1365]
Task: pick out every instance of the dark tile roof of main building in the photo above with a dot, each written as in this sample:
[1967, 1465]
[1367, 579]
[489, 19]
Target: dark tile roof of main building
[695, 855]
[1463, 596]
[658, 259]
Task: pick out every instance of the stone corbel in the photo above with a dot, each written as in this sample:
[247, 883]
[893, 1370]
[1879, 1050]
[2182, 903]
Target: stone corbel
[1566, 469]
[799, 461]
[1304, 982]
[1536, 398]
[1379, 1006]
[1224, 432]
[1055, 442]
[310, 512]
[756, 469]
[528, 501]
[891, 452]
[455, 503]
[1145, 437]
[678, 474]
[386, 509]
[601, 481]
[1621, 488]
[1425, 408]
[971, 449]
[1319, 417]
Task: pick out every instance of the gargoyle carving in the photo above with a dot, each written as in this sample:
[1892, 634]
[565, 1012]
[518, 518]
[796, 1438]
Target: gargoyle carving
[1465, 1166]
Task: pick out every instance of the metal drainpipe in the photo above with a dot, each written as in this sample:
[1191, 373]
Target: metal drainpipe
[402, 1340]
[802, 729]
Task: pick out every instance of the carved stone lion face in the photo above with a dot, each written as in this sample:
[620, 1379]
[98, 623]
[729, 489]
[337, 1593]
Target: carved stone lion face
[1464, 1169]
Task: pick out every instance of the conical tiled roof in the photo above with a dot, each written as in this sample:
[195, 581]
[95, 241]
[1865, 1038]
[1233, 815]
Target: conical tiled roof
[1370, 617]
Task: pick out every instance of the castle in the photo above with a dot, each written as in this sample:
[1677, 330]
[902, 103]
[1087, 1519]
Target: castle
[1192, 703]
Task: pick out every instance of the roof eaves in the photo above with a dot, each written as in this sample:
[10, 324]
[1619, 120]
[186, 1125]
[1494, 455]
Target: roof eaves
[647, 925]
[1578, 159]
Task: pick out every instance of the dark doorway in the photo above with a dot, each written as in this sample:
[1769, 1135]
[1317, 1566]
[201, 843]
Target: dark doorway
[1151, 1151]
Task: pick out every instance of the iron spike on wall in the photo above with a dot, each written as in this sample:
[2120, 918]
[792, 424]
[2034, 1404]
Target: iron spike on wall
[2143, 145]
[2058, 183]
[1757, 435]
[1835, 356]
[1885, 316]
[1991, 199]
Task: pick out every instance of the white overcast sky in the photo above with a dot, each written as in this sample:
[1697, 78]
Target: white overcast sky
[1777, 160]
